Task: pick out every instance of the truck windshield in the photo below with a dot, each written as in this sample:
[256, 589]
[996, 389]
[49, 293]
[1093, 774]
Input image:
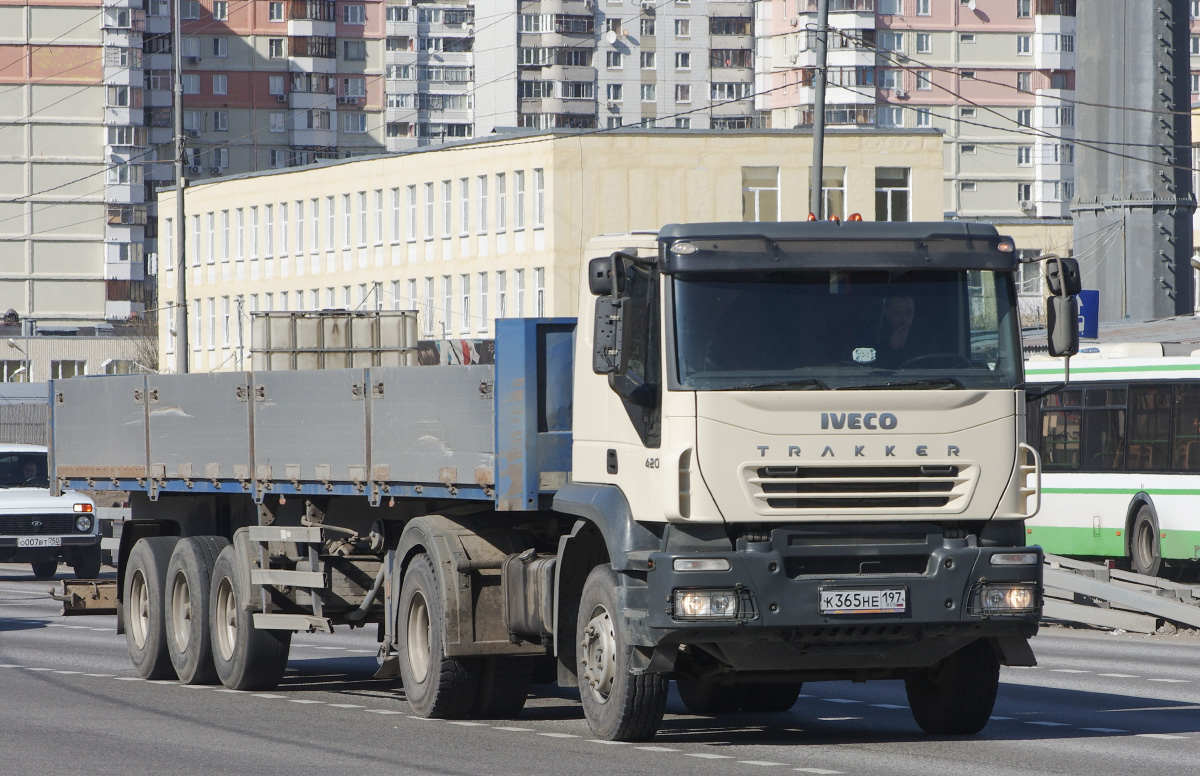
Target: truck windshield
[23, 470]
[845, 330]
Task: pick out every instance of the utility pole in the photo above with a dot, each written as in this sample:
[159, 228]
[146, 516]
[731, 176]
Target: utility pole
[182, 348]
[816, 195]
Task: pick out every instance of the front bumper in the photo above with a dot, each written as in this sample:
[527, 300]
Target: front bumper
[785, 628]
[11, 553]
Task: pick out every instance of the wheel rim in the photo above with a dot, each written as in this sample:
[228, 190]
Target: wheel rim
[419, 637]
[225, 623]
[599, 650]
[181, 612]
[139, 609]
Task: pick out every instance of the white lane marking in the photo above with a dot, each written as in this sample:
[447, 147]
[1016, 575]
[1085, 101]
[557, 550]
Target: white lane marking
[1068, 671]
[1000, 719]
[130, 679]
[161, 681]
[821, 771]
[76, 627]
[760, 762]
[363, 651]
[1105, 730]
[193, 687]
[558, 735]
[10, 665]
[55, 625]
[101, 676]
[226, 689]
[610, 743]
[345, 706]
[38, 669]
[1171, 681]
[303, 700]
[891, 706]
[656, 749]
[1046, 724]
[1121, 676]
[512, 729]
[1163, 736]
[838, 719]
[103, 630]
[804, 695]
[838, 700]
[419, 719]
[707, 756]
[266, 695]
[464, 723]
[388, 711]
[68, 672]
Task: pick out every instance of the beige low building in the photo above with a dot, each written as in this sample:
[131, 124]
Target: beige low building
[470, 232]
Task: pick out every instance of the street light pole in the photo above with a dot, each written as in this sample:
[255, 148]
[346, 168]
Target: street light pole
[182, 350]
[816, 195]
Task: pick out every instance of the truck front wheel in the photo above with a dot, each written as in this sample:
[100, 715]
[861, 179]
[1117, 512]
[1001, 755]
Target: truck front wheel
[142, 600]
[956, 697]
[189, 583]
[244, 657]
[619, 705]
[435, 685]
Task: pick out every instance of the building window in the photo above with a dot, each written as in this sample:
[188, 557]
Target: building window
[1024, 195]
[64, 368]
[520, 297]
[890, 116]
[429, 210]
[315, 215]
[411, 193]
[220, 84]
[501, 293]
[924, 117]
[1024, 9]
[683, 28]
[760, 193]
[347, 219]
[275, 12]
[395, 215]
[269, 230]
[447, 208]
[613, 60]
[539, 292]
[966, 37]
[275, 46]
[539, 198]
[967, 186]
[924, 43]
[354, 14]
[501, 202]
[191, 84]
[647, 60]
[923, 8]
[220, 47]
[354, 50]
[1024, 45]
[892, 194]
[924, 80]
[683, 123]
[275, 85]
[277, 121]
[299, 226]
[1024, 117]
[889, 7]
[379, 216]
[482, 183]
[464, 284]
[1024, 156]
[189, 9]
[211, 320]
[683, 93]
[648, 93]
[1064, 117]
[220, 10]
[354, 123]
[362, 219]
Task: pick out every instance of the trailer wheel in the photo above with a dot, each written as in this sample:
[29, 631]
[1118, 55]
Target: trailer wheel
[706, 698]
[503, 687]
[244, 657]
[1144, 545]
[142, 601]
[44, 569]
[619, 706]
[189, 584]
[956, 697]
[86, 563]
[771, 698]
[434, 685]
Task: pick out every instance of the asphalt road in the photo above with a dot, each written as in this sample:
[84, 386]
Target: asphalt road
[71, 703]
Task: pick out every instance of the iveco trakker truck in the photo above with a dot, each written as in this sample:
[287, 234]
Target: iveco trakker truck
[765, 454]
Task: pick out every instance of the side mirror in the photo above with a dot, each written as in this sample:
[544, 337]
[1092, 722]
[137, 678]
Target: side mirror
[608, 355]
[1062, 310]
[601, 272]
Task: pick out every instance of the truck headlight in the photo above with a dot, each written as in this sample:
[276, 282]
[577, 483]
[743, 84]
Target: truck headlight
[714, 605]
[1004, 598]
[83, 523]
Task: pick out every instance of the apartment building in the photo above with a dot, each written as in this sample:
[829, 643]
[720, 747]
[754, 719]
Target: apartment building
[472, 231]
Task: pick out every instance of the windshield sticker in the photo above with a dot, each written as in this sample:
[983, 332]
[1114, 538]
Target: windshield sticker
[863, 355]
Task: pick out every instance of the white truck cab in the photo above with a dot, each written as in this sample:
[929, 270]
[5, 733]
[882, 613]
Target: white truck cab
[39, 528]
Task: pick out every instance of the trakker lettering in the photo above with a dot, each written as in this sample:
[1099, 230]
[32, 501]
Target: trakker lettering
[889, 451]
[858, 420]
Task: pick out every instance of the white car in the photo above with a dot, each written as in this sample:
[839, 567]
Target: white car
[41, 529]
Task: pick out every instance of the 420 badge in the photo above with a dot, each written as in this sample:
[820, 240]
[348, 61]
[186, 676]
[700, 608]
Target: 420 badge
[863, 601]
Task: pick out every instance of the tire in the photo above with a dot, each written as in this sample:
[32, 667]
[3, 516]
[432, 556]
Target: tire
[186, 608]
[142, 605]
[44, 569]
[503, 687]
[1145, 548]
[434, 685]
[771, 698]
[956, 697]
[87, 562]
[244, 657]
[618, 705]
[707, 698]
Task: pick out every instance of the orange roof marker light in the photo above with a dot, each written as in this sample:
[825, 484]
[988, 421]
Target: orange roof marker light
[855, 217]
[812, 216]
[835, 219]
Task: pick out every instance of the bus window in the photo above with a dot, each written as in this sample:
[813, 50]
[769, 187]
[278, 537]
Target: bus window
[1187, 428]
[1060, 439]
[1149, 427]
[1103, 439]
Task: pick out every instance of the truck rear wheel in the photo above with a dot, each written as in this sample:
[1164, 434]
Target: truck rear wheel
[435, 685]
[189, 584]
[44, 569]
[619, 705]
[956, 697]
[244, 657]
[86, 563]
[142, 601]
[705, 698]
[503, 687]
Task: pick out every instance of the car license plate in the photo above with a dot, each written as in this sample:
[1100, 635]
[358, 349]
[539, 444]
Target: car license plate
[39, 541]
[851, 601]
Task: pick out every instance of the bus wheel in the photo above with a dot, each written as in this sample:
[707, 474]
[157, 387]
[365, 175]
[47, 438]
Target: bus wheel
[619, 705]
[1144, 545]
[956, 697]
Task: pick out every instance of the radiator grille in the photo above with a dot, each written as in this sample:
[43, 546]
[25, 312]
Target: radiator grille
[23, 525]
[931, 487]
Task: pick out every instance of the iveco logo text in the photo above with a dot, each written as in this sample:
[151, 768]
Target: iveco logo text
[856, 420]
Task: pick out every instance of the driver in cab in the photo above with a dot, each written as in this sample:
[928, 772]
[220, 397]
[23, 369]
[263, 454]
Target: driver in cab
[895, 343]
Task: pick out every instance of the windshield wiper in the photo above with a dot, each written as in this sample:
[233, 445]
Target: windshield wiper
[936, 382]
[806, 383]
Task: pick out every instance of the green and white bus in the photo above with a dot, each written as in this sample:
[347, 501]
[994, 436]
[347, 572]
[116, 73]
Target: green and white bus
[1120, 450]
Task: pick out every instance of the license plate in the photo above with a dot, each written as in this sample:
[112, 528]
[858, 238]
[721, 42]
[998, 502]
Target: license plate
[851, 601]
[39, 541]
